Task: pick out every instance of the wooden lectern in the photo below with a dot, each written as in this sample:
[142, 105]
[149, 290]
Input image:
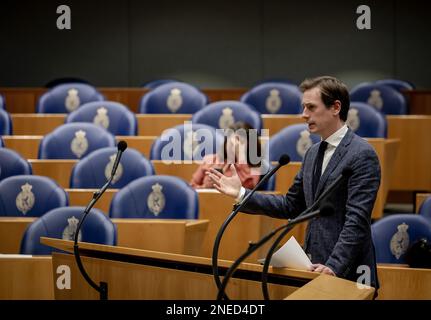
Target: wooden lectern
[142, 274]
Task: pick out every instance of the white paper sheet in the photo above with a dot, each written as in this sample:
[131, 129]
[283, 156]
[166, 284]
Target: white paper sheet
[290, 255]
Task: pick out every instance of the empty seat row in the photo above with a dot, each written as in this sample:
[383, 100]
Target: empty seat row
[178, 97]
[156, 196]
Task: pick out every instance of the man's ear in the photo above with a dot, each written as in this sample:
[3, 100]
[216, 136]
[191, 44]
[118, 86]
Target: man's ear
[337, 107]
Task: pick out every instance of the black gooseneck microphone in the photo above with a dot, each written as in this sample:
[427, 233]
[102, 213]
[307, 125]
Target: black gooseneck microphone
[102, 288]
[347, 172]
[284, 159]
[326, 210]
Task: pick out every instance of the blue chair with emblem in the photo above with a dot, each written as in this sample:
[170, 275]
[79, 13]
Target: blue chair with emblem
[186, 142]
[393, 235]
[274, 98]
[67, 97]
[61, 223]
[156, 197]
[95, 169]
[222, 114]
[5, 123]
[382, 97]
[399, 85]
[173, 97]
[74, 141]
[113, 116]
[12, 164]
[30, 196]
[294, 140]
[366, 121]
[425, 209]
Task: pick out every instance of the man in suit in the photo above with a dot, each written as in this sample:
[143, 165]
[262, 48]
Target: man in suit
[341, 243]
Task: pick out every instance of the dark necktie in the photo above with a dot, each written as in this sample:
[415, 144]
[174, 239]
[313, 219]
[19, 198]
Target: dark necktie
[318, 165]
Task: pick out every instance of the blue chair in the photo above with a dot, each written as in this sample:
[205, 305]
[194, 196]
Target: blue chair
[66, 98]
[173, 97]
[382, 97]
[95, 169]
[156, 83]
[61, 223]
[294, 140]
[74, 141]
[396, 84]
[222, 114]
[113, 116]
[5, 123]
[30, 196]
[156, 197]
[2, 102]
[366, 121]
[186, 142]
[394, 234]
[275, 98]
[12, 164]
[1, 142]
[425, 209]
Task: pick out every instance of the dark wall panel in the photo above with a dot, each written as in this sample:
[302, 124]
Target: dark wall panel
[213, 43]
[33, 50]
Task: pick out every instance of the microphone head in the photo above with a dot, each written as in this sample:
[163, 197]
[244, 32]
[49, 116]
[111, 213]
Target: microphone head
[284, 159]
[347, 172]
[122, 145]
[326, 209]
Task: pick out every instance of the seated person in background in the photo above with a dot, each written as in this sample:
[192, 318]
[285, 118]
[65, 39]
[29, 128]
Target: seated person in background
[236, 149]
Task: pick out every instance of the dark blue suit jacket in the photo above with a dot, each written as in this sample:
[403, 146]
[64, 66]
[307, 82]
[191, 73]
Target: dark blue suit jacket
[342, 241]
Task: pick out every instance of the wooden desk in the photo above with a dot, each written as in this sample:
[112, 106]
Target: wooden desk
[412, 169]
[419, 101]
[403, 283]
[26, 278]
[29, 124]
[420, 198]
[175, 236]
[140, 274]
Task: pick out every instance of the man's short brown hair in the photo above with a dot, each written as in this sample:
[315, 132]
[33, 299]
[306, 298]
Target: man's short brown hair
[331, 89]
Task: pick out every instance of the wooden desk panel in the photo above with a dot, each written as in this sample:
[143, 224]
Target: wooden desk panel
[419, 101]
[420, 198]
[35, 123]
[11, 232]
[59, 170]
[21, 100]
[26, 278]
[412, 169]
[41, 124]
[175, 236]
[403, 283]
[155, 124]
[26, 146]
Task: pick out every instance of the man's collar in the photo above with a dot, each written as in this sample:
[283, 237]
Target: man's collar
[335, 138]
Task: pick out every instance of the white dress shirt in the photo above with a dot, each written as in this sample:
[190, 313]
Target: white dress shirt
[333, 141]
